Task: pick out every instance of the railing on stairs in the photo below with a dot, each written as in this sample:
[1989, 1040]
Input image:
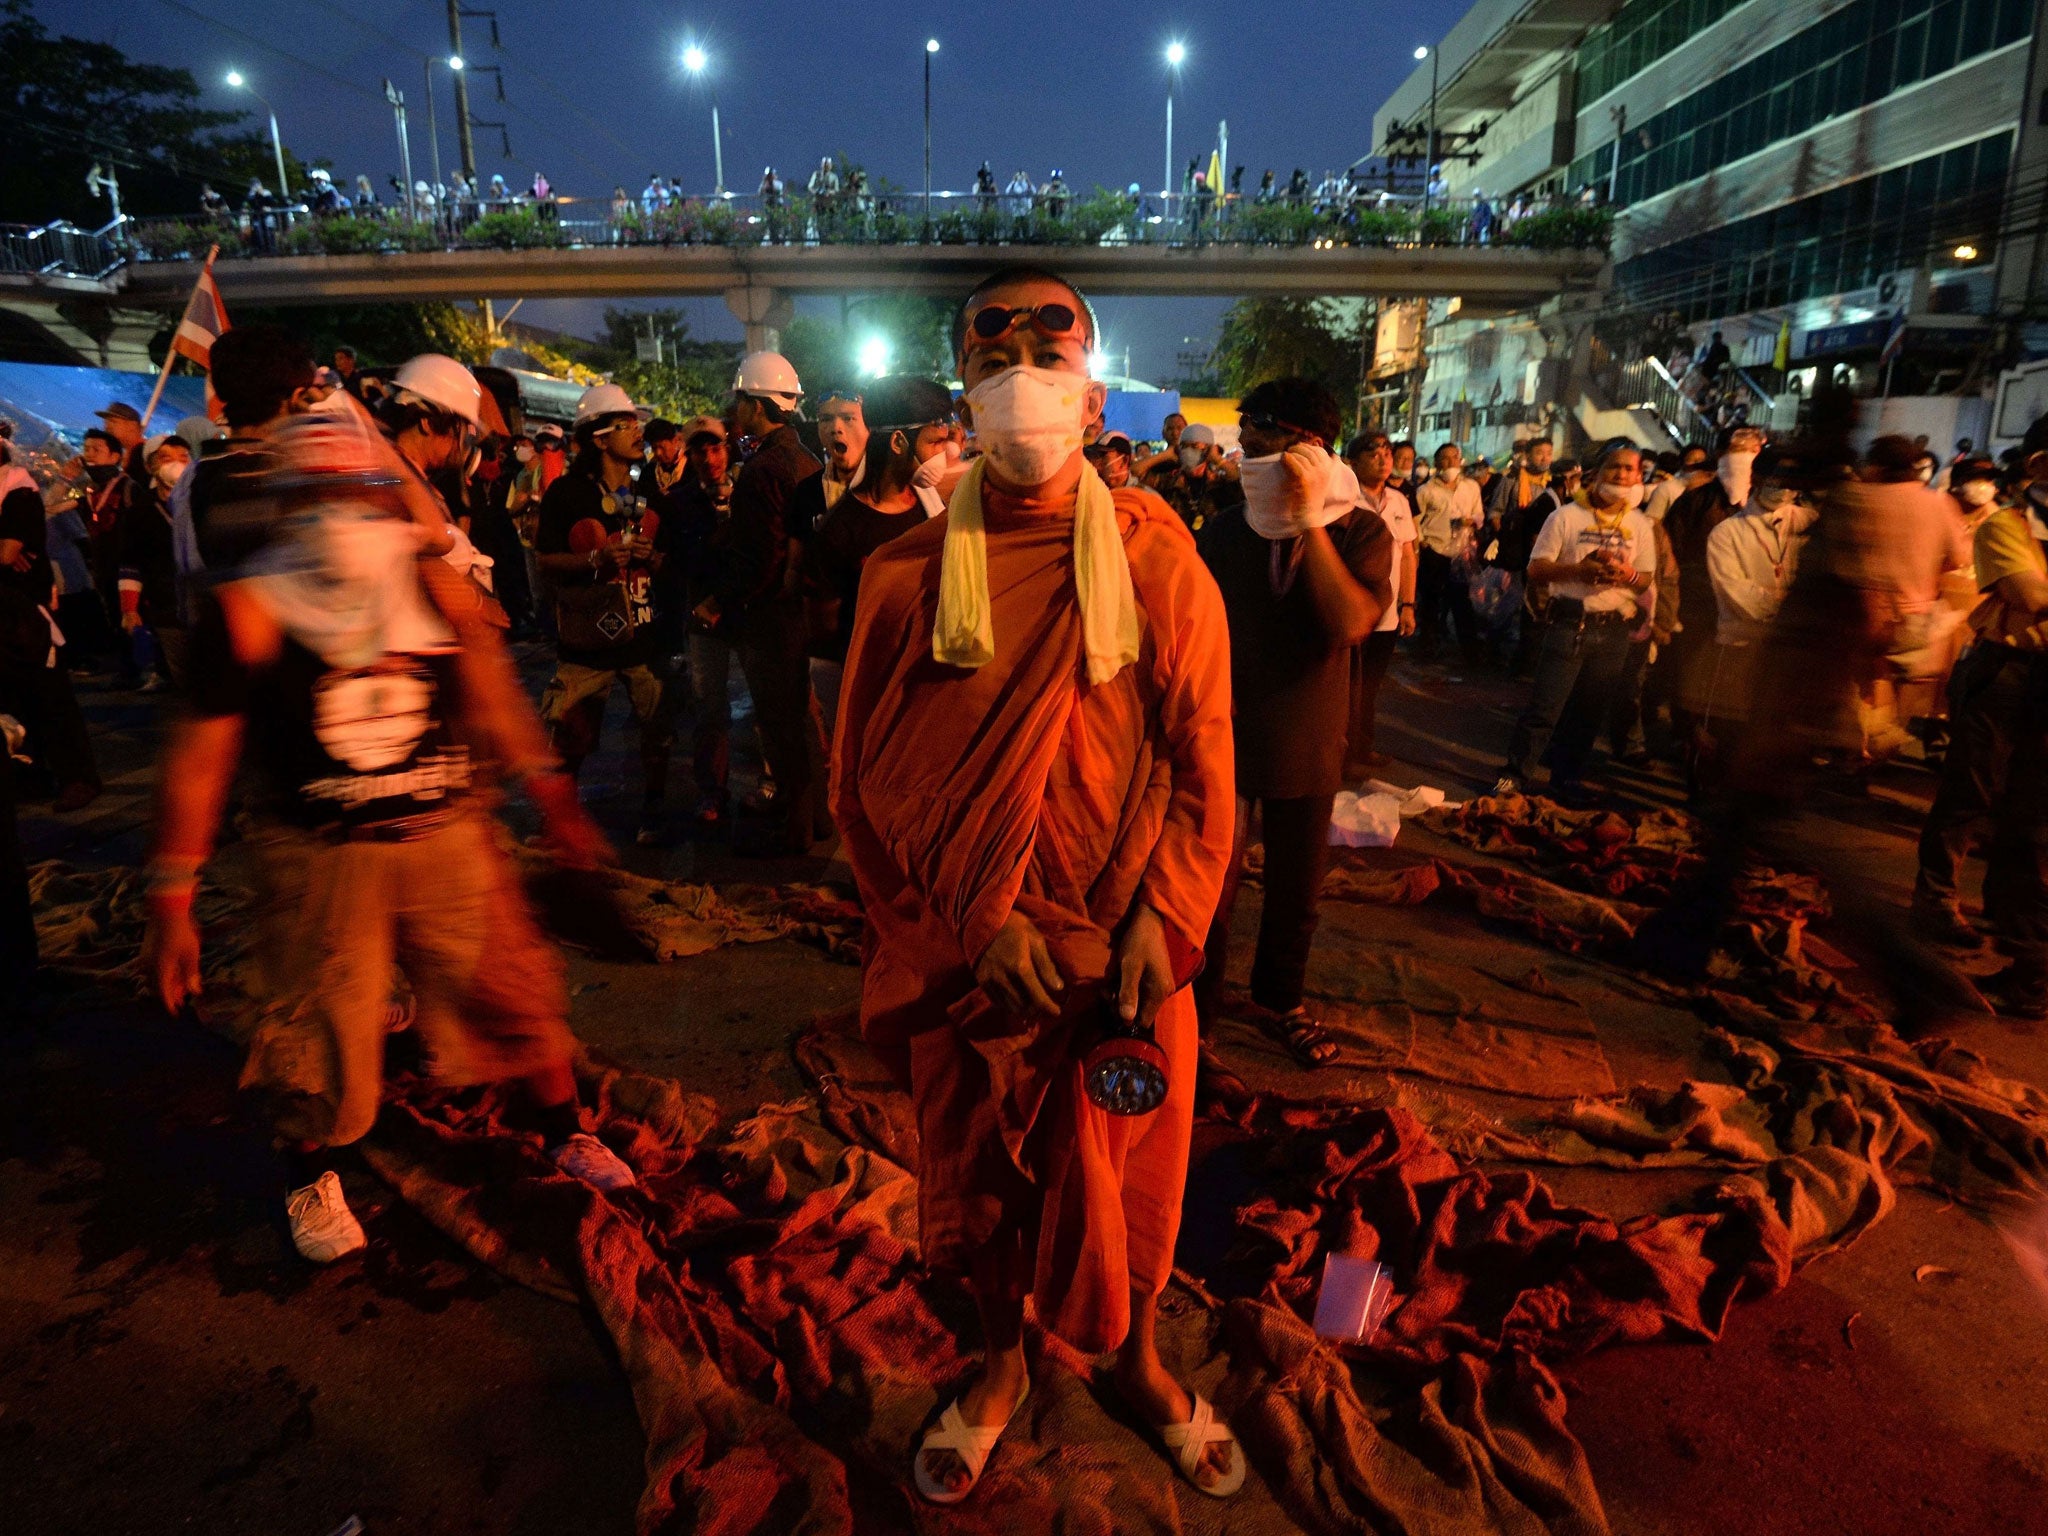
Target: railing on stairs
[63, 249]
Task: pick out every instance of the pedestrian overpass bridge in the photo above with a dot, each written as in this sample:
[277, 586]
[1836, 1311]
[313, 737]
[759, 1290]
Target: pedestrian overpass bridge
[760, 278]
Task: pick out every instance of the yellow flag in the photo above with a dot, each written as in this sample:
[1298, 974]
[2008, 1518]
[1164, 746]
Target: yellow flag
[1215, 171]
[1782, 358]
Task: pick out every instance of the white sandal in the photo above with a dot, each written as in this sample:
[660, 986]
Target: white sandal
[1186, 1442]
[972, 1443]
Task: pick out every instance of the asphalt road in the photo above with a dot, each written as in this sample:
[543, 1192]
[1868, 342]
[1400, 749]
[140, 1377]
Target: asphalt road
[166, 1362]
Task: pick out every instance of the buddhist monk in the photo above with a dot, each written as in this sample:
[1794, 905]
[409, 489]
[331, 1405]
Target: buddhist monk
[1033, 777]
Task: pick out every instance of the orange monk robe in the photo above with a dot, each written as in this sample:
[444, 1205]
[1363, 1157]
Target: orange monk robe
[962, 793]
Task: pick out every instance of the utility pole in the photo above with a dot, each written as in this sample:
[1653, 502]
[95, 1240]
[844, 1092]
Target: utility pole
[461, 93]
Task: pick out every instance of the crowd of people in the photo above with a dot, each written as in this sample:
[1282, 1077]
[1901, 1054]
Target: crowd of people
[451, 206]
[1041, 681]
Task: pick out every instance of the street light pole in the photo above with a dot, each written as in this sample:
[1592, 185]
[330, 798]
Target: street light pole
[239, 82]
[931, 46]
[694, 60]
[1175, 55]
[462, 131]
[433, 135]
[1429, 170]
[396, 97]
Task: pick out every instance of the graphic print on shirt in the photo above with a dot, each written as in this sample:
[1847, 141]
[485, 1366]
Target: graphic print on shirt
[382, 723]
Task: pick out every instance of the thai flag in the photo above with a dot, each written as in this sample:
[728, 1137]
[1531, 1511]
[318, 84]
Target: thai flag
[205, 318]
[1895, 343]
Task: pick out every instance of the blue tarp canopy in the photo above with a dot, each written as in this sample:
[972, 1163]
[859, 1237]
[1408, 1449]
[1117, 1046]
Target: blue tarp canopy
[1142, 414]
[45, 400]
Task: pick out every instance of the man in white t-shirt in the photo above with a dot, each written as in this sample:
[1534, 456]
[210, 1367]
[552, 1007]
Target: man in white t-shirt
[1598, 556]
[1371, 456]
[1695, 468]
[1448, 513]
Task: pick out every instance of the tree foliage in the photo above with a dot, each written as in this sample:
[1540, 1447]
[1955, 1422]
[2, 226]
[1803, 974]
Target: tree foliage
[693, 377]
[66, 102]
[916, 329]
[1262, 339]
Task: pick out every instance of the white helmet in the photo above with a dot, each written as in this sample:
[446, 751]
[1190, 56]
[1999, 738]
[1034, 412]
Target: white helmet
[768, 375]
[604, 400]
[445, 385]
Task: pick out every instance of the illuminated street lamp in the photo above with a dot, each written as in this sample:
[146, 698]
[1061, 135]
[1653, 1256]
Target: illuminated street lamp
[695, 59]
[1176, 55]
[237, 81]
[1429, 156]
[1966, 252]
[931, 46]
[874, 357]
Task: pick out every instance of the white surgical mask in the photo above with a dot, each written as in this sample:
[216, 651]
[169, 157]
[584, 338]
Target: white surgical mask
[167, 474]
[1733, 474]
[523, 453]
[1925, 473]
[931, 471]
[1029, 420]
[1189, 456]
[1977, 493]
[1448, 473]
[1627, 496]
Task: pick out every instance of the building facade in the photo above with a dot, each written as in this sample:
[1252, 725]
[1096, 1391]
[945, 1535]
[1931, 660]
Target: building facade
[1846, 190]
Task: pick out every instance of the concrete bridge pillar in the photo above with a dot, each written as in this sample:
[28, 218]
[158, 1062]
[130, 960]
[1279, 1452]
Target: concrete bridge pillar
[764, 312]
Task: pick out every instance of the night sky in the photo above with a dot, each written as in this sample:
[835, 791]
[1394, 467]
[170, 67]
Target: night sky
[597, 96]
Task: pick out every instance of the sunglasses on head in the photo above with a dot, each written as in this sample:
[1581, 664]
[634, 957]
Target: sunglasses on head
[1052, 321]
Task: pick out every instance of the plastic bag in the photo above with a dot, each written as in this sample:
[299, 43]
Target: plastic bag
[1368, 821]
[1353, 1299]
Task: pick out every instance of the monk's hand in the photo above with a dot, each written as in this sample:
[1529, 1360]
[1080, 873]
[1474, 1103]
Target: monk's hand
[170, 951]
[1017, 970]
[1144, 969]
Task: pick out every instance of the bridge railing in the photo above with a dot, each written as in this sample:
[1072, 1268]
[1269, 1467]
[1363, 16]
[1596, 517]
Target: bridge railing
[893, 218]
[62, 249]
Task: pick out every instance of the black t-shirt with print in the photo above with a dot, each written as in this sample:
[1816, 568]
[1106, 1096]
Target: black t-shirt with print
[569, 501]
[337, 747]
[838, 547]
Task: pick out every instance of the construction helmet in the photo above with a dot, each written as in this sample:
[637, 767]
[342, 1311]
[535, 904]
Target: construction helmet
[768, 375]
[444, 384]
[602, 400]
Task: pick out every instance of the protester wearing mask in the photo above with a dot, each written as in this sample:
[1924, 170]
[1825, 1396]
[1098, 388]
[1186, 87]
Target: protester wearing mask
[1110, 454]
[1403, 478]
[1598, 556]
[1752, 559]
[602, 554]
[1306, 573]
[106, 494]
[755, 599]
[149, 563]
[1695, 469]
[1994, 765]
[1448, 514]
[1197, 484]
[694, 545]
[1032, 774]
[1371, 458]
[906, 452]
[1690, 659]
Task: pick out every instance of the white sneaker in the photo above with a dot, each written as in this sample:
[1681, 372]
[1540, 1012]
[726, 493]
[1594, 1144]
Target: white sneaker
[584, 1157]
[323, 1227]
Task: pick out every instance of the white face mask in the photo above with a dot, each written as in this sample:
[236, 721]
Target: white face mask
[1189, 456]
[1925, 473]
[1029, 420]
[523, 453]
[1629, 496]
[1977, 493]
[931, 471]
[1448, 473]
[167, 474]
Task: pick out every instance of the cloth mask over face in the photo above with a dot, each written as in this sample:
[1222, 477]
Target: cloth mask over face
[1733, 473]
[1449, 473]
[1280, 505]
[1977, 493]
[1029, 421]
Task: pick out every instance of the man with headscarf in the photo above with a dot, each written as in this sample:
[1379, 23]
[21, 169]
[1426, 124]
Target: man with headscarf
[1305, 569]
[1032, 775]
[1598, 556]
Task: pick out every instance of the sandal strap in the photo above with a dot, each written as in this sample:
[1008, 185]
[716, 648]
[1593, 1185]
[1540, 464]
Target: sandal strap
[1188, 1441]
[973, 1444]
